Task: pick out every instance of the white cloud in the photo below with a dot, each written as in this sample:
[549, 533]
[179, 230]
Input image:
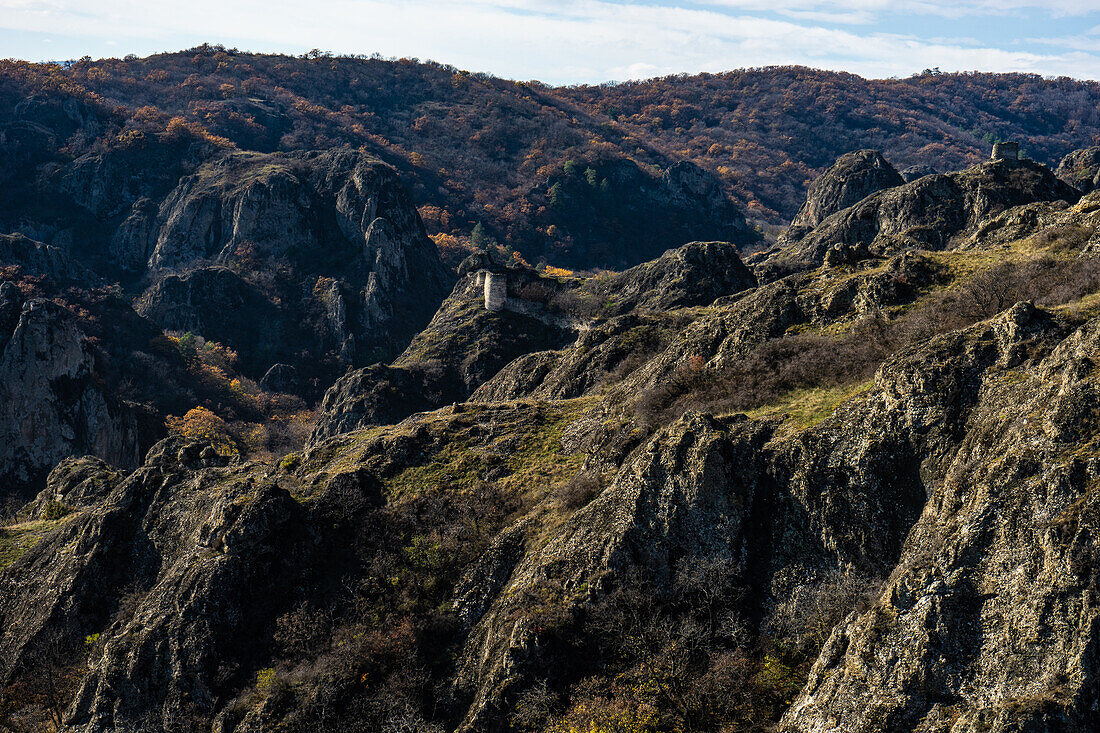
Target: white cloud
[559, 42]
[856, 17]
[944, 8]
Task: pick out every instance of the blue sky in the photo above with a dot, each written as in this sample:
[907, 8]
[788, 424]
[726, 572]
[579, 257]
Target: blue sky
[584, 41]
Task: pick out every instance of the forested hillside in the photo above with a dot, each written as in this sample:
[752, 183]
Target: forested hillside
[561, 173]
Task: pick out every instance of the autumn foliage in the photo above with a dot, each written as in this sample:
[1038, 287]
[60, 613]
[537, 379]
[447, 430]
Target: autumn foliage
[474, 148]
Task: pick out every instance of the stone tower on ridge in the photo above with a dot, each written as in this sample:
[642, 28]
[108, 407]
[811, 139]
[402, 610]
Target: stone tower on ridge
[1005, 151]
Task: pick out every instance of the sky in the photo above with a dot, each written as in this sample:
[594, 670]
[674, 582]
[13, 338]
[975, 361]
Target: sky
[587, 41]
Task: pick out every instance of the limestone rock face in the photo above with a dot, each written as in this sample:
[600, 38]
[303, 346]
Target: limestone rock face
[988, 621]
[462, 347]
[697, 273]
[50, 405]
[1081, 169]
[925, 213]
[852, 178]
[358, 276]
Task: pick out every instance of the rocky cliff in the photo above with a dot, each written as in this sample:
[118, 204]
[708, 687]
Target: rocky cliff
[468, 350]
[324, 252]
[986, 622]
[53, 402]
[50, 404]
[855, 497]
[927, 212]
[852, 178]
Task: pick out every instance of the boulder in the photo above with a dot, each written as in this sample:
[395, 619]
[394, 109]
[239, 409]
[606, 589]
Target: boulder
[1081, 169]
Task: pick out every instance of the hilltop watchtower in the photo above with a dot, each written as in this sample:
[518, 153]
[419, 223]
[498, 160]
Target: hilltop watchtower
[495, 286]
[496, 291]
[1005, 151]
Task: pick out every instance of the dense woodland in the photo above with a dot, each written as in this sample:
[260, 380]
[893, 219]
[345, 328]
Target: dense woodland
[474, 148]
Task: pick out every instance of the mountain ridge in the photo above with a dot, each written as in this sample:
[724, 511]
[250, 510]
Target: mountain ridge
[764, 133]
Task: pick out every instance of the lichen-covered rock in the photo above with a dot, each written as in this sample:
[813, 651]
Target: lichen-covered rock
[853, 177]
[697, 273]
[196, 545]
[355, 265]
[50, 404]
[988, 621]
[1080, 169]
[75, 483]
[779, 509]
[925, 213]
[602, 354]
[375, 395]
[219, 575]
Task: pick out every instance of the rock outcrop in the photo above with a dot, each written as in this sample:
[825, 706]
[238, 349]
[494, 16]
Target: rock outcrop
[54, 401]
[852, 178]
[469, 352]
[464, 346]
[707, 490]
[988, 621]
[1080, 169]
[38, 259]
[925, 213]
[356, 270]
[195, 542]
[51, 406]
[913, 172]
[697, 273]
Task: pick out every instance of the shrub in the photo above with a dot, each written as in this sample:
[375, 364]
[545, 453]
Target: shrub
[56, 510]
[809, 614]
[200, 422]
[580, 490]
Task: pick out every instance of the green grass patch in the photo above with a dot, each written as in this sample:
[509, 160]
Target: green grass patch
[522, 446]
[17, 539]
[804, 408]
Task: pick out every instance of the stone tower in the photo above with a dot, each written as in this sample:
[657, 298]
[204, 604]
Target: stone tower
[1005, 151]
[496, 290]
